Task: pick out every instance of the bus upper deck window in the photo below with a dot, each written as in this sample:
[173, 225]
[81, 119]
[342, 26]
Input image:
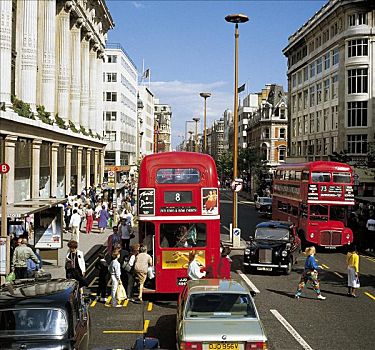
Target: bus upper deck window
[341, 178]
[320, 177]
[178, 176]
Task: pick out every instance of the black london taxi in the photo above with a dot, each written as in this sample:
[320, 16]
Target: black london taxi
[273, 246]
[43, 315]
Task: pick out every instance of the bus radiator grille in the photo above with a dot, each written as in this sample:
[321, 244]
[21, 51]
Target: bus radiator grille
[265, 255]
[330, 238]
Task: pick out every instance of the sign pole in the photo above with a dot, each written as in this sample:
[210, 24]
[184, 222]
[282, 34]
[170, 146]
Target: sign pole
[4, 223]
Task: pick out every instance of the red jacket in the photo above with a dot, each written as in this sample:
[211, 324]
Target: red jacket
[224, 267]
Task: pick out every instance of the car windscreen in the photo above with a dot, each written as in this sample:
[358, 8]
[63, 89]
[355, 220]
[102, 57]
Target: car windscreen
[220, 305]
[32, 322]
[278, 234]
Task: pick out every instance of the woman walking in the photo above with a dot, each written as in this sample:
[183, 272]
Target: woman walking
[114, 269]
[142, 263]
[352, 260]
[102, 266]
[103, 219]
[89, 219]
[310, 274]
[129, 269]
[75, 266]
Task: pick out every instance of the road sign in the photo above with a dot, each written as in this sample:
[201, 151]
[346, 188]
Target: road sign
[115, 168]
[236, 231]
[4, 168]
[236, 186]
[111, 173]
[236, 237]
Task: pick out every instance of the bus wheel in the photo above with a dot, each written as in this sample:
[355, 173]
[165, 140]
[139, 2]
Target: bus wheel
[288, 270]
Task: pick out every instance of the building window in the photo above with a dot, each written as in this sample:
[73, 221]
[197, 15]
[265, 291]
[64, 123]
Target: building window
[305, 124]
[319, 65]
[312, 70]
[299, 126]
[325, 119]
[327, 60]
[318, 120]
[362, 18]
[111, 77]
[111, 96]
[294, 103]
[326, 90]
[312, 121]
[110, 135]
[305, 98]
[318, 93]
[294, 80]
[334, 30]
[112, 58]
[357, 113]
[311, 46]
[294, 130]
[334, 113]
[358, 47]
[299, 101]
[266, 133]
[282, 154]
[312, 96]
[351, 20]
[358, 81]
[110, 116]
[357, 144]
[306, 73]
[282, 113]
[334, 87]
[282, 133]
[325, 145]
[299, 77]
[335, 56]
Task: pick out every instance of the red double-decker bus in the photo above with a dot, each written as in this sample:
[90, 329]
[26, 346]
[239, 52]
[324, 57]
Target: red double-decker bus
[178, 207]
[316, 197]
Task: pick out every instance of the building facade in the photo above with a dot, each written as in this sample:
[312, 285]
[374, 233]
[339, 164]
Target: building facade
[249, 106]
[217, 138]
[331, 66]
[163, 116]
[120, 88]
[146, 117]
[267, 130]
[51, 132]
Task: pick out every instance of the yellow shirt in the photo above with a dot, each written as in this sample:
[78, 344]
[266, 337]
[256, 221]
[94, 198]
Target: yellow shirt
[352, 260]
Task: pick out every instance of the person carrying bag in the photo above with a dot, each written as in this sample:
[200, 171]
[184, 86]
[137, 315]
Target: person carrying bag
[120, 293]
[115, 271]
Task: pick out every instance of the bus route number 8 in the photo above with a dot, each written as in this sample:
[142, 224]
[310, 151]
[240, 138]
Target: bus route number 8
[177, 197]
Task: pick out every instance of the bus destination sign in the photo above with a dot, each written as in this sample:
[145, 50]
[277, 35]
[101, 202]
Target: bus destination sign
[146, 201]
[178, 209]
[178, 196]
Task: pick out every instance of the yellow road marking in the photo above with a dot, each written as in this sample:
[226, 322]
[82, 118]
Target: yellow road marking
[325, 266]
[145, 328]
[320, 266]
[370, 295]
[149, 306]
[93, 303]
[93, 294]
[108, 300]
[125, 304]
[369, 258]
[337, 274]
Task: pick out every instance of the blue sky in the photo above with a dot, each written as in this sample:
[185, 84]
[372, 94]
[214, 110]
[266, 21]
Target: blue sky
[189, 48]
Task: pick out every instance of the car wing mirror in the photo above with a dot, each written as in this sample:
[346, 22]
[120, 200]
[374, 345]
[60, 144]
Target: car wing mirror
[252, 293]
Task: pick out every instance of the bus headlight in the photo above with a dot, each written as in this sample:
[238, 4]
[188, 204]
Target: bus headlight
[312, 235]
[284, 253]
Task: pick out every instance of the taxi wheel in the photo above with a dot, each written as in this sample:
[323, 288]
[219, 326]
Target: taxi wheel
[288, 270]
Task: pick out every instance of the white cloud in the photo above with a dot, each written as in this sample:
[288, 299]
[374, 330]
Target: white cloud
[138, 5]
[186, 103]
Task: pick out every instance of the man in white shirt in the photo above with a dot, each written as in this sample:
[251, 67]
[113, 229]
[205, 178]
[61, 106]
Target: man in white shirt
[370, 225]
[74, 225]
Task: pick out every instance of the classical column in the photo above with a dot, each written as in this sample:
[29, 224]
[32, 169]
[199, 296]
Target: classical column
[5, 50]
[85, 48]
[68, 169]
[55, 150]
[46, 52]
[9, 158]
[88, 164]
[101, 169]
[94, 84]
[63, 62]
[96, 162]
[79, 170]
[35, 168]
[27, 20]
[99, 104]
[75, 88]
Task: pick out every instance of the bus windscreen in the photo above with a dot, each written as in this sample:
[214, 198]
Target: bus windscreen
[184, 235]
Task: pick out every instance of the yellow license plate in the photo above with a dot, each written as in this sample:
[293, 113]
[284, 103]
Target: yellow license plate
[223, 346]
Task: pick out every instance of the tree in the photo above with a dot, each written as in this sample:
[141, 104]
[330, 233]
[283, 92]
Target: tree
[225, 164]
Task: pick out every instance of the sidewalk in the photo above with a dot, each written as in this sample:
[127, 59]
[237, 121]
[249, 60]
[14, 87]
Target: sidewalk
[224, 238]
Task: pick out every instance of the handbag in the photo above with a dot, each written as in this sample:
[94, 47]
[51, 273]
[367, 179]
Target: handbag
[150, 272]
[120, 293]
[127, 267]
[10, 277]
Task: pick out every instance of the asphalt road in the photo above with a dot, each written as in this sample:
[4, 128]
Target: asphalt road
[339, 322]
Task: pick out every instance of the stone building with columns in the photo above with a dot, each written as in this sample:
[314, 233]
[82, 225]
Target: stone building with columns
[51, 121]
[163, 115]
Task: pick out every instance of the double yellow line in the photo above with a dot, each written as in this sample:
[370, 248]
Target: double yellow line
[142, 331]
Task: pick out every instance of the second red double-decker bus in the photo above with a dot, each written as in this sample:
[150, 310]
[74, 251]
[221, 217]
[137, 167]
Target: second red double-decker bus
[315, 196]
[178, 207]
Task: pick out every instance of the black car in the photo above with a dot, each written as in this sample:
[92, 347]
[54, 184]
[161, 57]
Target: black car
[43, 315]
[273, 246]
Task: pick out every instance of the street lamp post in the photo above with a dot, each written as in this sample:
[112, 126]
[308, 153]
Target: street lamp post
[205, 95]
[236, 18]
[190, 148]
[196, 133]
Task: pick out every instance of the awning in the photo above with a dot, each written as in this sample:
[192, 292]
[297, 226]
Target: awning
[31, 206]
[365, 199]
[119, 186]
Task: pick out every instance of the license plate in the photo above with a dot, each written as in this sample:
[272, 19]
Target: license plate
[223, 346]
[264, 268]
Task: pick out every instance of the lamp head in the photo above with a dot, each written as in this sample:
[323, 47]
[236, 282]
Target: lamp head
[196, 119]
[237, 18]
[205, 94]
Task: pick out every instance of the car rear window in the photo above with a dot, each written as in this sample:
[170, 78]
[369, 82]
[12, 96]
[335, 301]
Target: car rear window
[220, 305]
[266, 200]
[31, 322]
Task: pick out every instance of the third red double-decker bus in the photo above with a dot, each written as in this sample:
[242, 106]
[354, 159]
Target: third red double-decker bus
[178, 207]
[315, 196]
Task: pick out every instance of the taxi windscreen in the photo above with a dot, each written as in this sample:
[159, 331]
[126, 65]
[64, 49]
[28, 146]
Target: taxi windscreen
[31, 322]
